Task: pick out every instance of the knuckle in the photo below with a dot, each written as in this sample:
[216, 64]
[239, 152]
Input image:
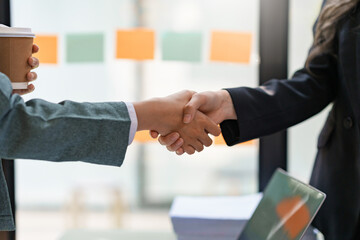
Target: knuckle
[191, 92]
[178, 144]
[187, 93]
[160, 140]
[170, 149]
[189, 107]
[179, 152]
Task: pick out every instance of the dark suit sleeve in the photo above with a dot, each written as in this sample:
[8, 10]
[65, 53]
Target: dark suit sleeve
[279, 104]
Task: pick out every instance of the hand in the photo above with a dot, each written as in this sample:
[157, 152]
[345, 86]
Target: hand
[165, 115]
[216, 105]
[31, 76]
[162, 114]
[191, 137]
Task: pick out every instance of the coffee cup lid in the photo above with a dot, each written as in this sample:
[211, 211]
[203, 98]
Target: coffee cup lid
[6, 31]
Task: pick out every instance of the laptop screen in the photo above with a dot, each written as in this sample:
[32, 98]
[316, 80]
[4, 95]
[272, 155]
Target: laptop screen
[286, 210]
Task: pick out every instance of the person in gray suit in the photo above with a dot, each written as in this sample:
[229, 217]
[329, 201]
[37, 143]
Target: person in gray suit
[96, 133]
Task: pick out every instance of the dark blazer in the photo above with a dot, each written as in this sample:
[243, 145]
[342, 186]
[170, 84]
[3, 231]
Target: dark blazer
[279, 104]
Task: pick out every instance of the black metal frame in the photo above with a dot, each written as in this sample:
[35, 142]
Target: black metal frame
[9, 172]
[5, 12]
[8, 165]
[274, 15]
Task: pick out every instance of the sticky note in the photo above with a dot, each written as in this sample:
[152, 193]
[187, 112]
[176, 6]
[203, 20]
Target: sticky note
[48, 45]
[231, 47]
[182, 46]
[82, 48]
[143, 137]
[220, 141]
[138, 44]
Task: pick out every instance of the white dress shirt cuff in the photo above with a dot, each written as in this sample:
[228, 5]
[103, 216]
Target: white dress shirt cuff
[134, 121]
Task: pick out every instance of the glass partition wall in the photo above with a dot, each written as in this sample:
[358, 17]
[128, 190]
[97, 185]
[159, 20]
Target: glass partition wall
[83, 59]
[303, 137]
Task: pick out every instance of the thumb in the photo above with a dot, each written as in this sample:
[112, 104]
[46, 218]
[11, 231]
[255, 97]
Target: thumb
[192, 106]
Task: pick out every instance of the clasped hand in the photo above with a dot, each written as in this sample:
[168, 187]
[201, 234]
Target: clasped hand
[200, 114]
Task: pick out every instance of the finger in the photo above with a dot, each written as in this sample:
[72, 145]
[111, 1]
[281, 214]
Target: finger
[29, 89]
[33, 62]
[212, 128]
[180, 151]
[154, 134]
[174, 147]
[169, 139]
[192, 106]
[197, 145]
[35, 48]
[31, 76]
[189, 150]
[205, 140]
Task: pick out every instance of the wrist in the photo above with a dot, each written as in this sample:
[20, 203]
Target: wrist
[227, 106]
[146, 113]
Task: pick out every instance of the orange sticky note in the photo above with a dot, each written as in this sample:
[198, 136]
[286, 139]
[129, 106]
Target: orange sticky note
[231, 47]
[138, 44]
[48, 45]
[143, 137]
[220, 141]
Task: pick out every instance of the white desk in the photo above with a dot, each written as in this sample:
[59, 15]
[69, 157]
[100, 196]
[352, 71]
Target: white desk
[116, 235]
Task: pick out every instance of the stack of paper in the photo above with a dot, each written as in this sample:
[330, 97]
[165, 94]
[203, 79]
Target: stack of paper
[211, 218]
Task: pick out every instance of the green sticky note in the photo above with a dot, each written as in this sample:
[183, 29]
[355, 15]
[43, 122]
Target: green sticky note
[81, 48]
[185, 46]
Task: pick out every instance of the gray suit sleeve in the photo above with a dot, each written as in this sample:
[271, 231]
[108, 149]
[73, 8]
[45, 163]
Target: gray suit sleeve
[68, 131]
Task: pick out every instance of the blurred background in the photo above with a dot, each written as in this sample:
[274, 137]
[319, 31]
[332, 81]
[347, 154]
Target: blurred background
[83, 59]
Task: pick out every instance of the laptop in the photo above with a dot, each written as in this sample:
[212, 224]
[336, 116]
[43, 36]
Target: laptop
[286, 210]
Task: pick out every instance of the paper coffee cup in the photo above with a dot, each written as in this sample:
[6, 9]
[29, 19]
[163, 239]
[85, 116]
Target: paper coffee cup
[15, 50]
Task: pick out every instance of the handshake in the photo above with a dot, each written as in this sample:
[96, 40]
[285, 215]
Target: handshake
[185, 119]
[182, 121]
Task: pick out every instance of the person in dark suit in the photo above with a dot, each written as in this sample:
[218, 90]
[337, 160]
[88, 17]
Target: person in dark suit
[331, 75]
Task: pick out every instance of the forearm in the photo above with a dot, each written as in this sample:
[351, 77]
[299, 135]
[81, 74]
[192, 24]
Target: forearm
[69, 131]
[277, 105]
